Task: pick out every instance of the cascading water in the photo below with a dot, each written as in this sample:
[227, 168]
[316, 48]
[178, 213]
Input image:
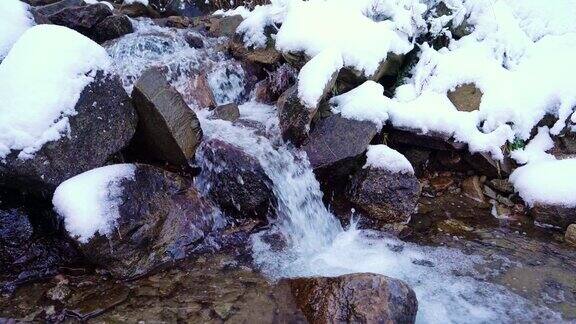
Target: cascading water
[448, 287]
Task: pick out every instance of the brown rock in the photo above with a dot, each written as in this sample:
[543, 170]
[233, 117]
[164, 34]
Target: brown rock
[384, 196]
[294, 117]
[466, 97]
[487, 166]
[441, 183]
[199, 91]
[472, 188]
[502, 185]
[227, 112]
[178, 22]
[168, 130]
[267, 55]
[224, 26]
[355, 298]
[570, 235]
[559, 216]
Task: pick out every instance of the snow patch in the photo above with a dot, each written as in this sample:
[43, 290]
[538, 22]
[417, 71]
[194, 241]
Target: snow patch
[385, 158]
[38, 95]
[89, 202]
[14, 21]
[316, 75]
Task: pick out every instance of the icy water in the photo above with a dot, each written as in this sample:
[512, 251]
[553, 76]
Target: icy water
[447, 284]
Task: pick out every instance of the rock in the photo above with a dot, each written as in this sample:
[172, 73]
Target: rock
[224, 26]
[199, 91]
[472, 188]
[138, 9]
[52, 8]
[570, 235]
[36, 3]
[236, 180]
[501, 185]
[489, 167]
[275, 84]
[82, 19]
[27, 254]
[168, 130]
[430, 140]
[466, 97]
[294, 117]
[178, 22]
[267, 55]
[384, 196]
[441, 182]
[162, 219]
[337, 139]
[355, 298]
[194, 41]
[227, 112]
[388, 67]
[559, 216]
[418, 158]
[112, 27]
[104, 124]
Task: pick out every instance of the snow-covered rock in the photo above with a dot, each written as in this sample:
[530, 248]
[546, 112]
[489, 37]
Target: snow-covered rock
[131, 218]
[15, 19]
[62, 115]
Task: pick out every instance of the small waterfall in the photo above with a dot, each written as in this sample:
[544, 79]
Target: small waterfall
[448, 287]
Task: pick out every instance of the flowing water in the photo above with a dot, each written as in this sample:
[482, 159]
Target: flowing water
[446, 282]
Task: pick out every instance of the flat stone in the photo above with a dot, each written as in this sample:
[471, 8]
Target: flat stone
[466, 97]
[229, 112]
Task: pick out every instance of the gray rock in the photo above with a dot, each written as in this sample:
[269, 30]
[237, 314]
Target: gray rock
[229, 112]
[235, 180]
[385, 197]
[162, 219]
[225, 25]
[355, 298]
[112, 27]
[104, 124]
[168, 130]
[335, 139]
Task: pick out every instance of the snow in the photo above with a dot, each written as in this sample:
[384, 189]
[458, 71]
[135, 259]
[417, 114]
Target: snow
[38, 95]
[316, 75]
[109, 5]
[129, 2]
[364, 103]
[547, 182]
[89, 202]
[384, 158]
[536, 149]
[14, 21]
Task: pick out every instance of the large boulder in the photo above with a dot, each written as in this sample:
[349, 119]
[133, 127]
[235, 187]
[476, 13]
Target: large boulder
[336, 139]
[103, 125]
[294, 117]
[26, 253]
[54, 7]
[141, 220]
[235, 180]
[466, 97]
[112, 27]
[555, 215]
[82, 19]
[355, 298]
[168, 130]
[385, 196]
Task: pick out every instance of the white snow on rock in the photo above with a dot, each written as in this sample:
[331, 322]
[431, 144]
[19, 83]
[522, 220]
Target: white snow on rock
[384, 158]
[89, 201]
[41, 80]
[109, 5]
[14, 21]
[536, 149]
[316, 74]
[129, 2]
[551, 182]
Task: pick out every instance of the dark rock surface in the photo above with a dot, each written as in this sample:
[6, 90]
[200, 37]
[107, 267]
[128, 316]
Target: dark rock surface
[162, 219]
[355, 298]
[168, 130]
[294, 117]
[82, 19]
[112, 27]
[28, 253]
[554, 215]
[384, 196]
[104, 124]
[54, 7]
[236, 180]
[227, 112]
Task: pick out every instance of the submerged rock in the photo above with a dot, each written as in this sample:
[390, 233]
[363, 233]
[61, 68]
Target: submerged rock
[162, 219]
[104, 124]
[355, 298]
[168, 130]
[236, 180]
[384, 196]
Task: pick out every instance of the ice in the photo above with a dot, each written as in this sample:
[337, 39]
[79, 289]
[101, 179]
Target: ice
[89, 201]
[14, 21]
[385, 158]
[38, 95]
